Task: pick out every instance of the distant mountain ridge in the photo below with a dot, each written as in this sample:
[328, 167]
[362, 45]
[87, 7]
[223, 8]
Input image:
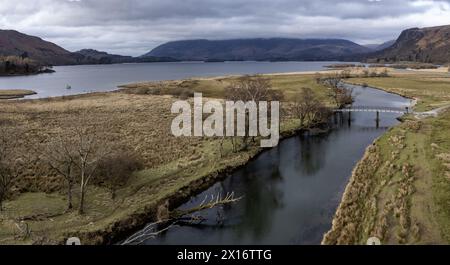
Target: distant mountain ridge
[14, 43]
[379, 47]
[18, 44]
[272, 49]
[425, 45]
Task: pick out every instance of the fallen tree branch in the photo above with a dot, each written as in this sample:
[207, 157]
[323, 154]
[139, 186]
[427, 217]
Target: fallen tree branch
[186, 217]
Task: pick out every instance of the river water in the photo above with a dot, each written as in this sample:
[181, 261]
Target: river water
[290, 193]
[97, 78]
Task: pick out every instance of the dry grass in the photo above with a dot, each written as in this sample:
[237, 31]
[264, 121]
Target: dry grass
[174, 167]
[407, 187]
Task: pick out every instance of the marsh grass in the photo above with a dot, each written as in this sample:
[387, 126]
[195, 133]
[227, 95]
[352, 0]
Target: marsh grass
[140, 121]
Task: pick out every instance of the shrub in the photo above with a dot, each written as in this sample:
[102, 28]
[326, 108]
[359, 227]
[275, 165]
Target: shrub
[115, 170]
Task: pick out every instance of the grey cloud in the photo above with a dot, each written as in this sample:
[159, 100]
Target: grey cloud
[134, 27]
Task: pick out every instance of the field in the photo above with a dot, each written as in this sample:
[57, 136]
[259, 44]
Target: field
[175, 168]
[400, 190]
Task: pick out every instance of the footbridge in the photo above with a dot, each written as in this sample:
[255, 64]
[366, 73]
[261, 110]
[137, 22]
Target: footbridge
[374, 109]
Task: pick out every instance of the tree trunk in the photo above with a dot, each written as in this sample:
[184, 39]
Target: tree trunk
[81, 206]
[113, 194]
[69, 196]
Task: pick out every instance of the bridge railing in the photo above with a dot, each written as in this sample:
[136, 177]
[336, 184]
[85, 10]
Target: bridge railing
[374, 109]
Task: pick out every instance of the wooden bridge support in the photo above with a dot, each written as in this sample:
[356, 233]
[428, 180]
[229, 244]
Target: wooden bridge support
[377, 120]
[349, 119]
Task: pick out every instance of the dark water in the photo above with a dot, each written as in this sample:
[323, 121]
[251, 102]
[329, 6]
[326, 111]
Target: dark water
[290, 193]
[89, 78]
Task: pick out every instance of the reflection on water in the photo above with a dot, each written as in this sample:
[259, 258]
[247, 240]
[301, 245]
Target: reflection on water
[290, 193]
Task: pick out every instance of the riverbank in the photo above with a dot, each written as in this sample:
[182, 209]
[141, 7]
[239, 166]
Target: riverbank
[175, 168]
[15, 93]
[399, 191]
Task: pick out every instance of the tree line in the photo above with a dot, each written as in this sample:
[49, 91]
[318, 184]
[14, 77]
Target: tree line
[21, 65]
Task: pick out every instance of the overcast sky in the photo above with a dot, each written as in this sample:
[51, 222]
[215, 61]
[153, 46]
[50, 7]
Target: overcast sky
[135, 27]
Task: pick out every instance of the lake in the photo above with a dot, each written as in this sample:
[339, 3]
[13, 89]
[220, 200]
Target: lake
[90, 78]
[289, 193]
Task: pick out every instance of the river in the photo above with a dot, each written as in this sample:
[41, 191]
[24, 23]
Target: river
[290, 193]
[99, 78]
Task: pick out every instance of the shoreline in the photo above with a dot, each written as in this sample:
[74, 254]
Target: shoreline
[357, 183]
[120, 230]
[365, 209]
[8, 94]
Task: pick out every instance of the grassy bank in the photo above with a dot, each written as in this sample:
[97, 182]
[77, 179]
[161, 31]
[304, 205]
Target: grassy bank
[400, 191]
[15, 93]
[175, 168]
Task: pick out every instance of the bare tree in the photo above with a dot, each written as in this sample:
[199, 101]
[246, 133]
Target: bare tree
[307, 107]
[341, 94]
[11, 163]
[318, 77]
[252, 88]
[115, 170]
[89, 150]
[59, 154]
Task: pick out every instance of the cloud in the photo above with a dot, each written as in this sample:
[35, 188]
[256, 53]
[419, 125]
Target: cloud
[135, 27]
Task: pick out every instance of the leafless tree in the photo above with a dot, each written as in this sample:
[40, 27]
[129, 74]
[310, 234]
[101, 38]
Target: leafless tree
[252, 88]
[59, 154]
[341, 94]
[318, 77]
[115, 169]
[89, 151]
[307, 107]
[11, 162]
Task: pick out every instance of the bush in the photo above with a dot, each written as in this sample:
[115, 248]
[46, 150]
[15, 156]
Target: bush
[115, 170]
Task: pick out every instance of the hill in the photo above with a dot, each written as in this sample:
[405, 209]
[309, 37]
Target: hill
[425, 45]
[90, 56]
[379, 47]
[14, 43]
[274, 49]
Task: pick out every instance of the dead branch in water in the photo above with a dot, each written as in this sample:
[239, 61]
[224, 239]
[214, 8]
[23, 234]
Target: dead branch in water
[152, 230]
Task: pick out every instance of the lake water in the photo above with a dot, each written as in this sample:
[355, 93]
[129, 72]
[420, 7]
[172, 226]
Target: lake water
[290, 193]
[90, 78]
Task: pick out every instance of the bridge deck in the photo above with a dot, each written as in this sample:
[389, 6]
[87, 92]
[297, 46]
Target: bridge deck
[373, 109]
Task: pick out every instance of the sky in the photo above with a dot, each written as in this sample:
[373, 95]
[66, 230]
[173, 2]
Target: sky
[135, 27]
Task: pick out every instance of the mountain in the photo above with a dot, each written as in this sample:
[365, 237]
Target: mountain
[385, 45]
[425, 45]
[18, 44]
[275, 49]
[379, 47]
[14, 43]
[90, 56]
